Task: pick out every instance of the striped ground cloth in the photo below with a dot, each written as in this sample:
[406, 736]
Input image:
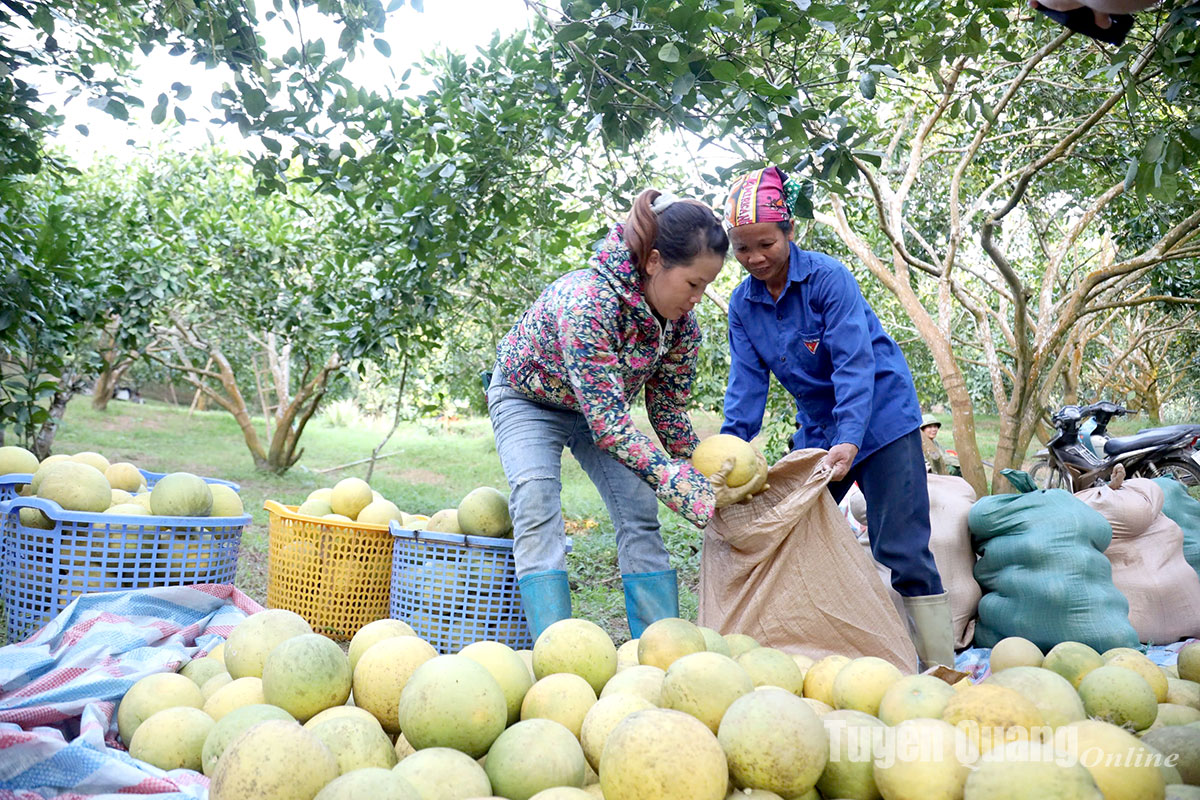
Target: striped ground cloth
[59, 690]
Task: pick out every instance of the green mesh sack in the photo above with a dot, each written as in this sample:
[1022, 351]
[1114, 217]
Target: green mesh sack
[1044, 574]
[1184, 511]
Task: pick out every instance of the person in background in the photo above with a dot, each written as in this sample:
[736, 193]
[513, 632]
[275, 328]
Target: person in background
[935, 454]
[800, 316]
[566, 375]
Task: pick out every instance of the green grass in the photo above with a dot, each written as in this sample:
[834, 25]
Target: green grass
[437, 463]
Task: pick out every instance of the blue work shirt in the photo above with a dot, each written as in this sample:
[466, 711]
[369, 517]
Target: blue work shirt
[827, 348]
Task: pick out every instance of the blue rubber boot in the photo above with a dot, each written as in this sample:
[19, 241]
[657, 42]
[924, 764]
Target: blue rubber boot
[649, 597]
[546, 597]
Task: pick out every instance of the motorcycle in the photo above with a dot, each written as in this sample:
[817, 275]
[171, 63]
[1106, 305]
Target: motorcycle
[1069, 463]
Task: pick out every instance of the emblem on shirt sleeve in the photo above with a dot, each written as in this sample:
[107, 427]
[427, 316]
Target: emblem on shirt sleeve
[811, 344]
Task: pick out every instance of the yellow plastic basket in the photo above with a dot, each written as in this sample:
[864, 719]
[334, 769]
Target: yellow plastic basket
[337, 575]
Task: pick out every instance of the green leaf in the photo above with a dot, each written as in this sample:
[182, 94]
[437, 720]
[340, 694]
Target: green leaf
[866, 85]
[723, 70]
[383, 47]
[668, 53]
[160, 110]
[1154, 148]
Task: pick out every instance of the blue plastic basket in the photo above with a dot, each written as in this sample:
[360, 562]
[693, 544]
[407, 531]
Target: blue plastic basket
[84, 553]
[455, 589]
[10, 484]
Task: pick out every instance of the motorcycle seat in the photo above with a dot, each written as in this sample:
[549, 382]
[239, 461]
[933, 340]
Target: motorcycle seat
[1179, 430]
[1151, 438]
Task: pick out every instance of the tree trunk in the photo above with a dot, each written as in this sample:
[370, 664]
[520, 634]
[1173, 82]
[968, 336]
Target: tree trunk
[102, 391]
[44, 440]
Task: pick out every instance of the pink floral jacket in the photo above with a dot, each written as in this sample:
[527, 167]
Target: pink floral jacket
[590, 343]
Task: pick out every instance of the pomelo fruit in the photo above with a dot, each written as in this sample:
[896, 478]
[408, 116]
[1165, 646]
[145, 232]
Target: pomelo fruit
[92, 459]
[861, 684]
[383, 671]
[226, 502]
[305, 675]
[915, 696]
[705, 685]
[237, 693]
[1188, 663]
[1055, 698]
[76, 487]
[379, 512]
[181, 494]
[43, 470]
[210, 686]
[233, 725]
[1072, 660]
[452, 701]
[337, 518]
[198, 670]
[442, 773]
[374, 632]
[273, 760]
[576, 646]
[356, 743]
[1120, 696]
[1030, 770]
[714, 642]
[563, 697]
[1174, 714]
[532, 756]
[850, 771]
[1122, 767]
[375, 783]
[660, 754]
[767, 666]
[324, 493]
[314, 508]
[444, 521]
[643, 680]
[667, 639]
[1184, 693]
[739, 643]
[1146, 668]
[1015, 651]
[992, 715]
[930, 760]
[818, 681]
[627, 655]
[1181, 745]
[257, 635]
[602, 717]
[123, 475]
[120, 497]
[342, 712]
[172, 738]
[773, 741]
[14, 459]
[507, 668]
[350, 496]
[152, 694]
[484, 512]
[713, 452]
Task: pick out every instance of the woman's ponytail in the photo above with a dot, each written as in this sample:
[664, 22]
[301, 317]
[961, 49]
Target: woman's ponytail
[641, 228]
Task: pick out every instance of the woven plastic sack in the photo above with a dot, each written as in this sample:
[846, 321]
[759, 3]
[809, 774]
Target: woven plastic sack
[1185, 511]
[950, 500]
[1147, 560]
[784, 568]
[1043, 572]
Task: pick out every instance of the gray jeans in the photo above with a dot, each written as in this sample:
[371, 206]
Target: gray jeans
[530, 438]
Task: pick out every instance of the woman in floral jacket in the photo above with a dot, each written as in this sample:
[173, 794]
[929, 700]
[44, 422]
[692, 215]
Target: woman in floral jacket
[566, 375]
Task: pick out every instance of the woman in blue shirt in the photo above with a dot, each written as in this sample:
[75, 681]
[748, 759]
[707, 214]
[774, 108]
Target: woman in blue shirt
[801, 316]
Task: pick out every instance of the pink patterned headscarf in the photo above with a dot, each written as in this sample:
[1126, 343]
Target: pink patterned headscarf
[765, 195]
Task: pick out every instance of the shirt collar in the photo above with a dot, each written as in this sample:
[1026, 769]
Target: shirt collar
[799, 268]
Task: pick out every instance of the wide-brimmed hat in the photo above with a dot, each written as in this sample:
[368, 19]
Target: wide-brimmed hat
[929, 419]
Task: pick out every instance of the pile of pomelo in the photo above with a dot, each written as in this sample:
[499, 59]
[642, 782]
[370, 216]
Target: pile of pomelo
[88, 482]
[483, 512]
[683, 713]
